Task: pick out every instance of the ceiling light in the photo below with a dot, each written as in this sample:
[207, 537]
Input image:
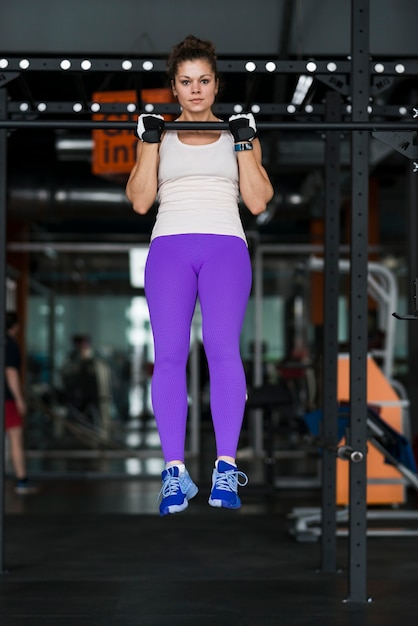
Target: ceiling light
[399, 68]
[250, 66]
[126, 65]
[3, 64]
[270, 66]
[302, 88]
[331, 66]
[65, 64]
[294, 198]
[86, 64]
[237, 108]
[24, 64]
[147, 65]
[137, 259]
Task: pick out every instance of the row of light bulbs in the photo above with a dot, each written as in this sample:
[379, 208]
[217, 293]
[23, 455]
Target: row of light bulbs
[147, 66]
[95, 107]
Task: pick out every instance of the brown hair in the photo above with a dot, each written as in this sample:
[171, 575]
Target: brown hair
[191, 49]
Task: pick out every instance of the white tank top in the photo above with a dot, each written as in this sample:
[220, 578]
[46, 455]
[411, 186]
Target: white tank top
[198, 188]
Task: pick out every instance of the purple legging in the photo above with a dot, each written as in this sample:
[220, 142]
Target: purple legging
[217, 270]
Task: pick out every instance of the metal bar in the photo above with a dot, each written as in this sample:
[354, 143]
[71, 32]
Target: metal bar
[257, 427]
[45, 108]
[330, 340]
[412, 329]
[132, 65]
[357, 438]
[94, 247]
[129, 125]
[3, 209]
[195, 393]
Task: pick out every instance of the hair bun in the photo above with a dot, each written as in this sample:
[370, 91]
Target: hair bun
[191, 49]
[193, 43]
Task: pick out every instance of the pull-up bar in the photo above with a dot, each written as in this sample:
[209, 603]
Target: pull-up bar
[129, 125]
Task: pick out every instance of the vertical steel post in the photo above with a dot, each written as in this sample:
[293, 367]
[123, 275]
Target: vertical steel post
[412, 327]
[358, 301]
[3, 183]
[257, 426]
[330, 341]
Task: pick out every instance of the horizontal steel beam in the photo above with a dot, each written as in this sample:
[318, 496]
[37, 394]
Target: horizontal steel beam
[128, 65]
[44, 108]
[128, 125]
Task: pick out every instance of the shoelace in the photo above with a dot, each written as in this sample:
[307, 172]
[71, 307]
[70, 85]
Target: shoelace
[229, 480]
[170, 486]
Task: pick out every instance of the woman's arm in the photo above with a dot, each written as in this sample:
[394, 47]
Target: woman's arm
[254, 184]
[13, 381]
[141, 188]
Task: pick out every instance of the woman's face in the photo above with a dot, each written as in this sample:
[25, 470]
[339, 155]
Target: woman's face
[195, 86]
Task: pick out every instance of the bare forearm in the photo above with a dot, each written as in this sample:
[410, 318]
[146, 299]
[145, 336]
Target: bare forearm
[255, 187]
[13, 382]
[141, 188]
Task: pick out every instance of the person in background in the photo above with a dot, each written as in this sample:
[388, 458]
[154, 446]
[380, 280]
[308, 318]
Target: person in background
[198, 250]
[15, 405]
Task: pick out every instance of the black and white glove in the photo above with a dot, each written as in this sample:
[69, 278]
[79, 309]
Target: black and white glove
[242, 127]
[150, 127]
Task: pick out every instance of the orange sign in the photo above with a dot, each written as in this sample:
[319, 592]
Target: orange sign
[114, 151]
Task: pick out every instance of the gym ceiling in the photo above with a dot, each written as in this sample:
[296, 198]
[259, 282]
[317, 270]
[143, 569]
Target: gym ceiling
[51, 184]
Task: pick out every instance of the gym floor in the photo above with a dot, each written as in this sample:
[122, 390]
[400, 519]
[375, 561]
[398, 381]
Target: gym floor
[90, 549]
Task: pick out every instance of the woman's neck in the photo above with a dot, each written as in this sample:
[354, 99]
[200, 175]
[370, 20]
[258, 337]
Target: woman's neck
[185, 116]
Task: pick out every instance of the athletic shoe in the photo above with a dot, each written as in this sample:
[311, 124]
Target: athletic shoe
[178, 488]
[225, 481]
[25, 487]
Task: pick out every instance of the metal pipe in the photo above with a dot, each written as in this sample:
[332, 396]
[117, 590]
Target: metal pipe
[347, 453]
[3, 208]
[129, 125]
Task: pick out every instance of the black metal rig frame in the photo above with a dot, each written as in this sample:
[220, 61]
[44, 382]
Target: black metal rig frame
[355, 79]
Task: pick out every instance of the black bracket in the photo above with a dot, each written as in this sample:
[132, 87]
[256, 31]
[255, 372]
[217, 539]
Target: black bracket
[6, 77]
[404, 142]
[338, 82]
[414, 315]
[380, 84]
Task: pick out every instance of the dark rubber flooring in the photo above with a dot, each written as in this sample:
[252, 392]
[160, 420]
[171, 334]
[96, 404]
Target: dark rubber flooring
[205, 568]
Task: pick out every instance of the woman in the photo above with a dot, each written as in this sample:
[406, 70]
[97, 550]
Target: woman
[198, 250]
[15, 405]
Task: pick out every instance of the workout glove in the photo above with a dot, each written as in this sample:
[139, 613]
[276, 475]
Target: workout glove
[150, 127]
[242, 127]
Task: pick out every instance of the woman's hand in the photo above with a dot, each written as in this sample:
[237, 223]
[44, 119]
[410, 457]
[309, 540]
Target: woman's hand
[150, 127]
[242, 127]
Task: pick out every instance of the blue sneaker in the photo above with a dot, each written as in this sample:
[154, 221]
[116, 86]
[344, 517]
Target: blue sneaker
[225, 481]
[178, 488]
[23, 486]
